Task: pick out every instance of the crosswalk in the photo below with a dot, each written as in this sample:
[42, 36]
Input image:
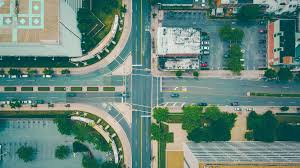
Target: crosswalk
[74, 4]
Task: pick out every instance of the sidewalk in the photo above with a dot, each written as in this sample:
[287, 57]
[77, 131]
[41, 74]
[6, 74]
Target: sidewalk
[93, 110]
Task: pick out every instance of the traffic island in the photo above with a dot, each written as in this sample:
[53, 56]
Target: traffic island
[273, 94]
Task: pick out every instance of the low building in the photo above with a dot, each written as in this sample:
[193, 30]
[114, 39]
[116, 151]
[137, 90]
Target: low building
[39, 28]
[242, 155]
[178, 48]
[281, 42]
[176, 3]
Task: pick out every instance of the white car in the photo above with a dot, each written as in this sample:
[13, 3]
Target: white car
[238, 109]
[12, 76]
[47, 76]
[2, 76]
[205, 48]
[24, 76]
[243, 51]
[205, 42]
[249, 109]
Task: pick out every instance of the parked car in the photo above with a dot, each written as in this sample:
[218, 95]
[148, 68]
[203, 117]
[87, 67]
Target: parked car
[238, 109]
[205, 52]
[202, 104]
[204, 64]
[47, 76]
[205, 42]
[234, 103]
[2, 76]
[174, 95]
[26, 101]
[24, 76]
[12, 76]
[205, 47]
[249, 109]
[262, 31]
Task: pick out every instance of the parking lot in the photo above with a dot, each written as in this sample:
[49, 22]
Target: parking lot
[254, 42]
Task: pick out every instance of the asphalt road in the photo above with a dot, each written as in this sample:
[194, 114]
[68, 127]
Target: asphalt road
[225, 91]
[141, 83]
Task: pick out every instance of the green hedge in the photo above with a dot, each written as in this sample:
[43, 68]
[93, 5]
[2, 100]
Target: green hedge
[59, 88]
[10, 88]
[175, 118]
[76, 88]
[109, 88]
[275, 94]
[92, 89]
[43, 88]
[28, 89]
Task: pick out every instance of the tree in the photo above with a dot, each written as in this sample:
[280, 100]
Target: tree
[48, 71]
[284, 74]
[200, 134]
[110, 164]
[79, 147]
[270, 74]
[297, 77]
[64, 125]
[196, 74]
[249, 12]
[153, 2]
[2, 72]
[123, 9]
[160, 114]
[13, 71]
[179, 73]
[155, 131]
[62, 152]
[234, 62]
[191, 117]
[228, 33]
[26, 153]
[284, 108]
[32, 72]
[89, 162]
[65, 71]
[15, 104]
[249, 135]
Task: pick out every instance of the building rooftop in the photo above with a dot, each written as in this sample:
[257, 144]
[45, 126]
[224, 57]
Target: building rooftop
[249, 152]
[287, 41]
[178, 41]
[38, 28]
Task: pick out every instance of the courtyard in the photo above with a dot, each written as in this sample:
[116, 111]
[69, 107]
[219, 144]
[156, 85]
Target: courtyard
[254, 43]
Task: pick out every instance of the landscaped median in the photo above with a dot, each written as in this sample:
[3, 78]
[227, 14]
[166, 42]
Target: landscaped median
[273, 94]
[62, 89]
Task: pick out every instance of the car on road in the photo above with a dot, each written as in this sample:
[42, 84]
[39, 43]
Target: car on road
[12, 76]
[124, 95]
[234, 103]
[238, 109]
[205, 52]
[249, 109]
[174, 95]
[24, 76]
[71, 94]
[263, 31]
[26, 101]
[47, 76]
[2, 76]
[202, 104]
[39, 102]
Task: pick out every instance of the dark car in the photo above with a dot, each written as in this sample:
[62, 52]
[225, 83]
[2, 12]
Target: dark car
[71, 94]
[202, 104]
[174, 95]
[234, 103]
[39, 102]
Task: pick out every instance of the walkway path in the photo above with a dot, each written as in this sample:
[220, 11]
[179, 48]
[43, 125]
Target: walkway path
[93, 110]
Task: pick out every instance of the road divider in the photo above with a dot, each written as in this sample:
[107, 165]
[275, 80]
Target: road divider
[273, 94]
[79, 89]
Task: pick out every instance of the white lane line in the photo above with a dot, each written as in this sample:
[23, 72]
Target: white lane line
[141, 75]
[140, 105]
[151, 92]
[285, 87]
[264, 86]
[292, 102]
[31, 97]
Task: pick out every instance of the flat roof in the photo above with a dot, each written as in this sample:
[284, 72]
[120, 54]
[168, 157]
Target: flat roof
[34, 21]
[288, 40]
[178, 41]
[247, 152]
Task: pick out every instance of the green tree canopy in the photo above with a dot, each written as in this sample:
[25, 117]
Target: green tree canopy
[65, 71]
[228, 33]
[64, 125]
[270, 73]
[191, 117]
[2, 72]
[110, 164]
[160, 114]
[13, 71]
[179, 73]
[89, 162]
[249, 12]
[27, 153]
[62, 152]
[31, 72]
[48, 71]
[196, 74]
[285, 74]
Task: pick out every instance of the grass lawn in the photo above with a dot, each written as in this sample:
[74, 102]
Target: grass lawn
[92, 89]
[33, 114]
[10, 88]
[109, 88]
[59, 88]
[76, 88]
[275, 94]
[43, 88]
[28, 89]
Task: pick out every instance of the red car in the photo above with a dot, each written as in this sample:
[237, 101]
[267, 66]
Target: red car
[204, 64]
